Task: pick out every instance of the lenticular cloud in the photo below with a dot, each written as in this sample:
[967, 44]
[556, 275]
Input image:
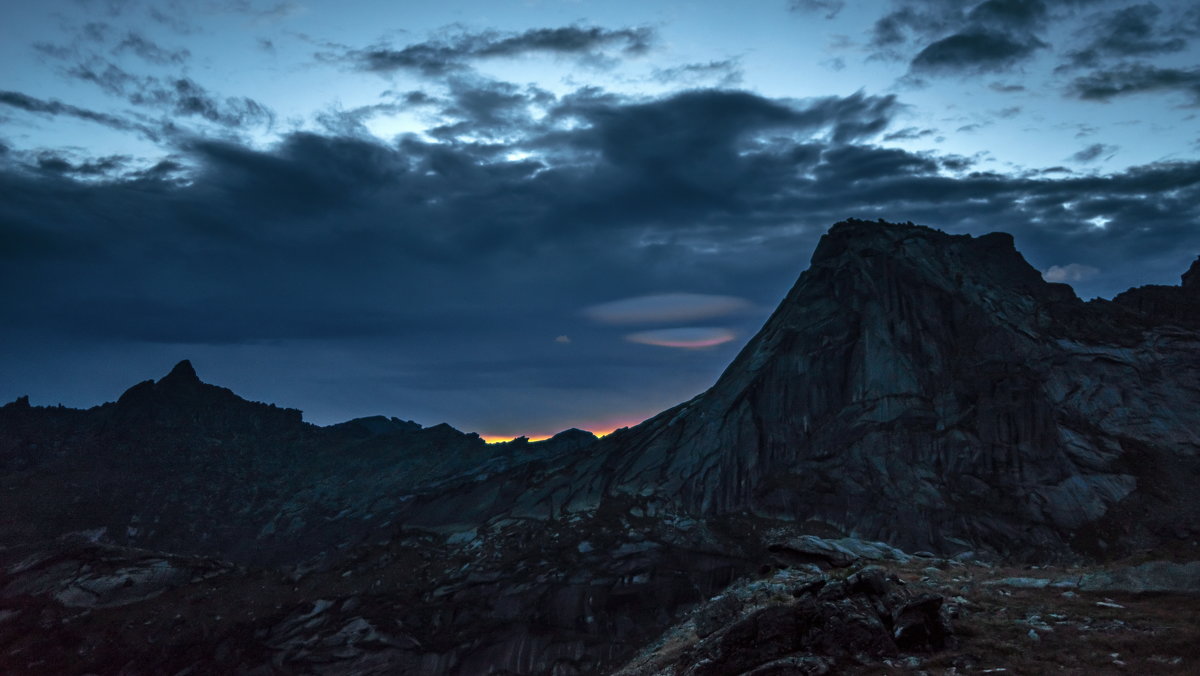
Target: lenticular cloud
[687, 337]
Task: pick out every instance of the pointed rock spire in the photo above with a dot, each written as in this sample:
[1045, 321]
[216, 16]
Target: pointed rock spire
[182, 373]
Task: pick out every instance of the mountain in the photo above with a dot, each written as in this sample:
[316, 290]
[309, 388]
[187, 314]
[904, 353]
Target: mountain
[182, 466]
[914, 392]
[934, 392]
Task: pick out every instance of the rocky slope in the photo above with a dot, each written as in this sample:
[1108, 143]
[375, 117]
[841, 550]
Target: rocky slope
[182, 466]
[934, 392]
[916, 388]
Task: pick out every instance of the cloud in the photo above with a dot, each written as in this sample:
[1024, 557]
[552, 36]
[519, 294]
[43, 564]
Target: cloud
[993, 36]
[894, 28]
[664, 308]
[402, 212]
[1094, 152]
[56, 108]
[482, 108]
[426, 276]
[690, 338]
[101, 166]
[909, 133]
[456, 52]
[1127, 32]
[180, 96]
[830, 8]
[269, 13]
[1015, 14]
[1071, 272]
[1138, 78]
[975, 50]
[724, 73]
[150, 51]
[565, 340]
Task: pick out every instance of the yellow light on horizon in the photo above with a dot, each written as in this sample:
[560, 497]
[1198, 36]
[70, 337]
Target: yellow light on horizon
[606, 429]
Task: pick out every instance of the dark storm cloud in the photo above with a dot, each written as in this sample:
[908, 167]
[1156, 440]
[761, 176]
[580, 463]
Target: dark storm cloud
[286, 220]
[455, 52]
[1137, 78]
[55, 108]
[1127, 32]
[451, 254]
[180, 96]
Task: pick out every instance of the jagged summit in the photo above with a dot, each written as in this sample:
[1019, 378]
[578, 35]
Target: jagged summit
[932, 391]
[183, 372]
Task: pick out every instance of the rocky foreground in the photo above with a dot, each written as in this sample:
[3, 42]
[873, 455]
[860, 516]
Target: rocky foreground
[812, 606]
[929, 459]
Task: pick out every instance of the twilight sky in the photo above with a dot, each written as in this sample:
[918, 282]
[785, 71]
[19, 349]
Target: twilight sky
[523, 216]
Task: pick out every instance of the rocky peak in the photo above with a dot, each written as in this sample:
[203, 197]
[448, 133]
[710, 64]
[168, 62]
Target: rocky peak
[183, 374]
[180, 398]
[929, 390]
[881, 252]
[21, 402]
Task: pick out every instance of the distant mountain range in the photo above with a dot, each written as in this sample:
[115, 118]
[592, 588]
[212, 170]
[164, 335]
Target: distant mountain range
[923, 390]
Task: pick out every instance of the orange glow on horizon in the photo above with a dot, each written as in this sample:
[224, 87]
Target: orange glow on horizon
[601, 429]
[494, 439]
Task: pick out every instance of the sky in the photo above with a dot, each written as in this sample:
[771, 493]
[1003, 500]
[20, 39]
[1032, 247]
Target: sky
[523, 216]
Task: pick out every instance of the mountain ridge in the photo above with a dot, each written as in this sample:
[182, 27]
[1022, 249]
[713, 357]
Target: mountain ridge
[956, 346]
[896, 336]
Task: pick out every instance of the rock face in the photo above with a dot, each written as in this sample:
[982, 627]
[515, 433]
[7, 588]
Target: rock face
[932, 391]
[803, 623]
